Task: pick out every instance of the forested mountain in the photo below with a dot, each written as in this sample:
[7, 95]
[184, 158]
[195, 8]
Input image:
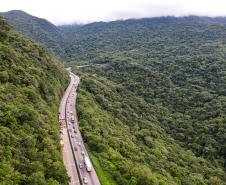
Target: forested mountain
[126, 138]
[152, 98]
[175, 65]
[38, 29]
[144, 35]
[69, 31]
[31, 84]
[178, 63]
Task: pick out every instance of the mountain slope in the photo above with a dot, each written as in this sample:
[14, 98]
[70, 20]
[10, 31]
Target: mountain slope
[32, 82]
[152, 98]
[124, 134]
[178, 63]
[175, 64]
[144, 35]
[38, 29]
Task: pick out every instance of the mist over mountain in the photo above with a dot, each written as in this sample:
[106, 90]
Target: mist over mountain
[38, 29]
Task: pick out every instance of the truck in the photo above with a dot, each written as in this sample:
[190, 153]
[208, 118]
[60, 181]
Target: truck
[88, 164]
[72, 119]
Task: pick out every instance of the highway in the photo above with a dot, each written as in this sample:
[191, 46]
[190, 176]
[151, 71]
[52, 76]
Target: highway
[74, 150]
[69, 161]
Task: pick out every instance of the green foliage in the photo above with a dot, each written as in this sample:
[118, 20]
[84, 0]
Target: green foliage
[38, 29]
[176, 63]
[164, 79]
[153, 109]
[104, 177]
[4, 76]
[31, 83]
[125, 136]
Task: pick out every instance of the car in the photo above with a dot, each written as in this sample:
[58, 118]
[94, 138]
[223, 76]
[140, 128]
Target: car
[80, 165]
[83, 153]
[73, 127]
[75, 131]
[85, 180]
[79, 143]
[75, 148]
[72, 136]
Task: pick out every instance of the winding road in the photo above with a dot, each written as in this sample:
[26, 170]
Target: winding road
[74, 150]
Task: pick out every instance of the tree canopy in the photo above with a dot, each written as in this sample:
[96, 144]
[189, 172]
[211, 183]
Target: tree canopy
[31, 84]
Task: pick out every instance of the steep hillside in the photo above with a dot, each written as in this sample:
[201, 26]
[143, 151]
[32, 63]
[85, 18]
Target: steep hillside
[125, 138]
[152, 98]
[180, 36]
[38, 29]
[177, 64]
[31, 83]
[69, 31]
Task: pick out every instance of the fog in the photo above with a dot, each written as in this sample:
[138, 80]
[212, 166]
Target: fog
[85, 11]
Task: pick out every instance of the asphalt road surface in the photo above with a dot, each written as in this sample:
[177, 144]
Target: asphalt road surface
[69, 161]
[68, 157]
[74, 150]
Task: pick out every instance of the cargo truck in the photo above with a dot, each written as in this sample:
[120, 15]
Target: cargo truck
[87, 164]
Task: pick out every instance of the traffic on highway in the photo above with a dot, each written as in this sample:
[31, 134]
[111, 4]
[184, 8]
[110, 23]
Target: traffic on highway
[85, 172]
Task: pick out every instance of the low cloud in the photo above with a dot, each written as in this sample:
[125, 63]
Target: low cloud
[84, 11]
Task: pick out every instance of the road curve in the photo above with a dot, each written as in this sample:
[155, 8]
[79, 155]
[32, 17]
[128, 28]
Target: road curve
[68, 116]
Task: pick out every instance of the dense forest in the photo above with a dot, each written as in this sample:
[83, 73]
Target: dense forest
[31, 84]
[152, 98]
[176, 65]
[38, 29]
[125, 135]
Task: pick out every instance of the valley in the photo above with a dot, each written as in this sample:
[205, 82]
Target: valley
[150, 103]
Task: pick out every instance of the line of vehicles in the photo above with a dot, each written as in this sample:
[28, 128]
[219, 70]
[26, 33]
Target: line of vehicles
[68, 122]
[85, 163]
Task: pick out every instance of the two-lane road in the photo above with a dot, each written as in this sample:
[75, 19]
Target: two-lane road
[77, 147]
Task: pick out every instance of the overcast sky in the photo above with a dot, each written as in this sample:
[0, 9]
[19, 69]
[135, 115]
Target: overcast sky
[84, 11]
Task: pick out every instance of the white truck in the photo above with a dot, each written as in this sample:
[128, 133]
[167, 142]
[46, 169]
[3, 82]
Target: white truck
[87, 164]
